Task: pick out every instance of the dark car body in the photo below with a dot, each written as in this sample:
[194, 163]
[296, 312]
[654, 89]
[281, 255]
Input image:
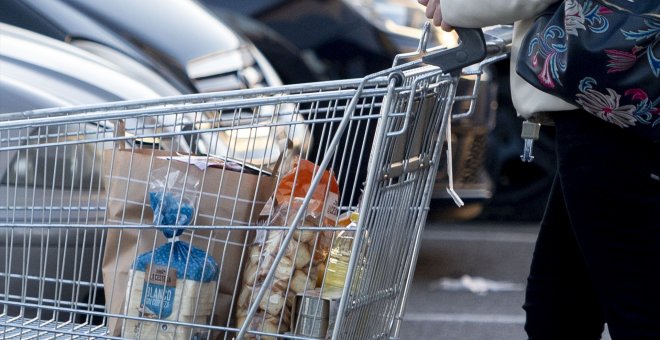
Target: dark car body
[178, 39]
[299, 41]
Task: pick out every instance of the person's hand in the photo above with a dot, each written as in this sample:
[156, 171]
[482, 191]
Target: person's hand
[433, 11]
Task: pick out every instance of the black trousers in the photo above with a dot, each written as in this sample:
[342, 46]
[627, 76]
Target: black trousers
[597, 257]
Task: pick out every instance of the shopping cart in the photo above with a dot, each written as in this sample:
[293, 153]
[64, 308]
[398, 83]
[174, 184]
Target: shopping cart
[69, 220]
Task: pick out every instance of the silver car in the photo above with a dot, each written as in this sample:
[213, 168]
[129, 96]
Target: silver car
[38, 72]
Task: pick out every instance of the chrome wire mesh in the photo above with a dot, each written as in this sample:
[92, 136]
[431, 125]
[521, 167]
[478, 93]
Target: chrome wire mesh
[380, 136]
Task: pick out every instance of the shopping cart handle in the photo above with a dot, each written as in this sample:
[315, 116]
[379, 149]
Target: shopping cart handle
[471, 50]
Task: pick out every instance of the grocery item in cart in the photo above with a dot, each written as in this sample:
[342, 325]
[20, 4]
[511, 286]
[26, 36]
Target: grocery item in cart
[308, 249]
[311, 314]
[229, 196]
[175, 281]
[340, 255]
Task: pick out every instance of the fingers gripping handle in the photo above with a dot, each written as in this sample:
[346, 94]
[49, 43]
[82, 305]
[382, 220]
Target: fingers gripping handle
[471, 50]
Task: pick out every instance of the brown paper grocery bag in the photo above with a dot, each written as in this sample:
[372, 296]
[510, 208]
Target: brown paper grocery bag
[227, 198]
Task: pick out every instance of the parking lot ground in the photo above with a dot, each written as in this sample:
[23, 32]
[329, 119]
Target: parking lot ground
[469, 281]
[439, 307]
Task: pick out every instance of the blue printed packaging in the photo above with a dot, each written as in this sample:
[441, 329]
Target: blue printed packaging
[174, 282]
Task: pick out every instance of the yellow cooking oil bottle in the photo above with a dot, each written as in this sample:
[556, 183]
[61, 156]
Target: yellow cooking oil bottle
[340, 255]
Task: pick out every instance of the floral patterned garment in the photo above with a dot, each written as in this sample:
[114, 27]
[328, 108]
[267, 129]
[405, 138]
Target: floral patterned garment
[602, 55]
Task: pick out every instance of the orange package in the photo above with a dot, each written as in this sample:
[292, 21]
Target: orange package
[325, 197]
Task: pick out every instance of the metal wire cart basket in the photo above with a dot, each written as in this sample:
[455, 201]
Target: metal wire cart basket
[290, 212]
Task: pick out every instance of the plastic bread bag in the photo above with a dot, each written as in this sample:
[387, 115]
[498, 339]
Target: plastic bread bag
[176, 281]
[308, 249]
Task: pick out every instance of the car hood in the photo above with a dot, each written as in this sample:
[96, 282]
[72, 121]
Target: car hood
[38, 72]
[167, 35]
[196, 31]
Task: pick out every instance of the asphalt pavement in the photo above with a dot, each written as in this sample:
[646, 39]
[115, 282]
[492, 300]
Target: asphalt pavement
[469, 281]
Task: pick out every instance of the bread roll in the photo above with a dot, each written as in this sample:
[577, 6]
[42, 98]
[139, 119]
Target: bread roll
[284, 269]
[299, 251]
[300, 282]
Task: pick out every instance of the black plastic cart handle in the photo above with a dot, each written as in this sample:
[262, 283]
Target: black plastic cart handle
[471, 50]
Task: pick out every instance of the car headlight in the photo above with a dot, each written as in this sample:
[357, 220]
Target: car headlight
[231, 70]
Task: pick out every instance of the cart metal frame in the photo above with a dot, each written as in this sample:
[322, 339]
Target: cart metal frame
[408, 107]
